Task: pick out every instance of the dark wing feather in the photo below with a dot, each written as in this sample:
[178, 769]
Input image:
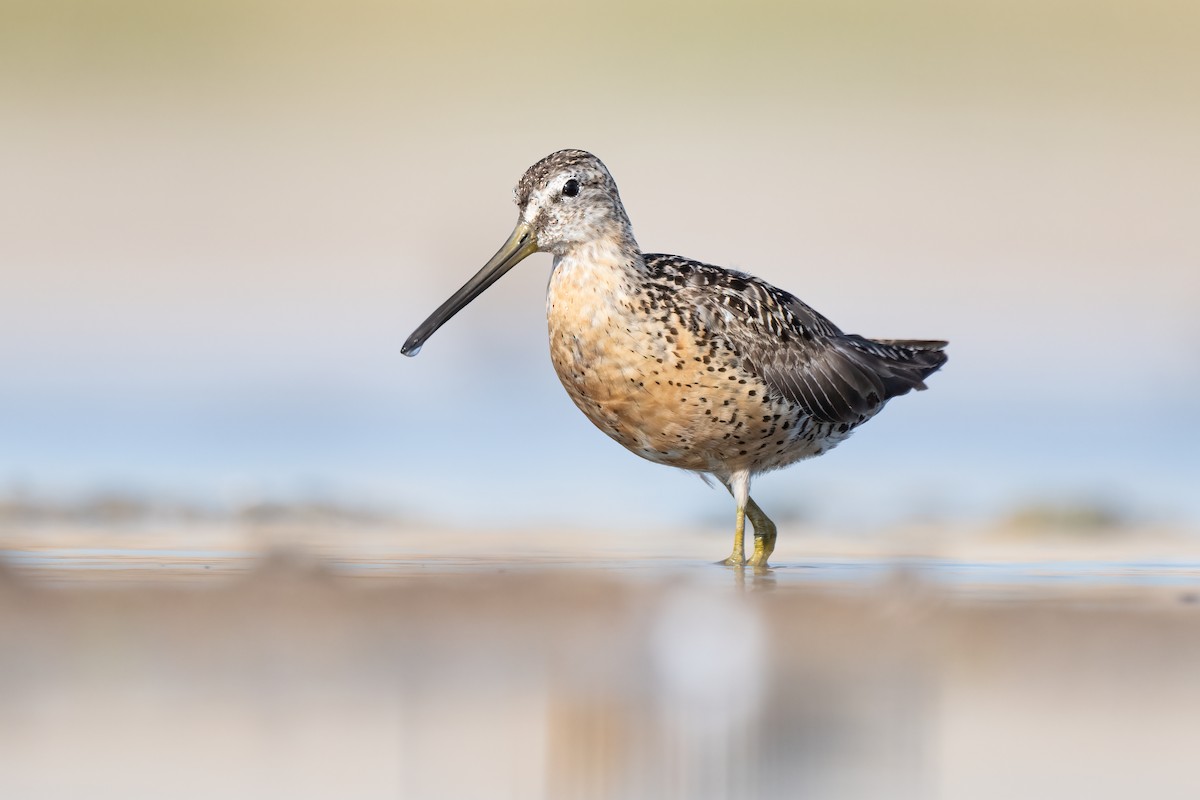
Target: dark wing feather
[798, 353]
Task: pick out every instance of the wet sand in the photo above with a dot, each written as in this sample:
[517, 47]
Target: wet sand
[295, 662]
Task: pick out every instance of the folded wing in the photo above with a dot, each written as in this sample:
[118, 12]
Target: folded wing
[836, 377]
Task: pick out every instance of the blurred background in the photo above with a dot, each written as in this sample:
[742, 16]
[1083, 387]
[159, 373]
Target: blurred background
[249, 550]
[219, 221]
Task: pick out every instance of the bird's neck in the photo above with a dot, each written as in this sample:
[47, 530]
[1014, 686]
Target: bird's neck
[597, 273]
[617, 253]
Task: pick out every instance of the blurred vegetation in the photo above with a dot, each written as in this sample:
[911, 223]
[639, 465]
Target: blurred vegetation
[1001, 42]
[19, 507]
[120, 509]
[1076, 517]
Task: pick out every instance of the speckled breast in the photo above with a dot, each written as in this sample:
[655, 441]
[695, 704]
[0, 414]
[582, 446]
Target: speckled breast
[644, 374]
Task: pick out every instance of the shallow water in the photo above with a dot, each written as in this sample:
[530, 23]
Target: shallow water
[529, 666]
[962, 577]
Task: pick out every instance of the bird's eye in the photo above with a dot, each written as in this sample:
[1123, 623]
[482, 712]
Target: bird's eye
[571, 188]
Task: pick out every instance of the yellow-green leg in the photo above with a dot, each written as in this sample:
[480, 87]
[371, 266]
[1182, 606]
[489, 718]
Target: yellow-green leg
[738, 484]
[738, 557]
[764, 534]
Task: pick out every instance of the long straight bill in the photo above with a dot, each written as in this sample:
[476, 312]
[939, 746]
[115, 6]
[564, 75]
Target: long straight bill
[521, 244]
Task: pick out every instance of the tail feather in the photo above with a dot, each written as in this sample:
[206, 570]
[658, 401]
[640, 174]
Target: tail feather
[914, 344]
[902, 364]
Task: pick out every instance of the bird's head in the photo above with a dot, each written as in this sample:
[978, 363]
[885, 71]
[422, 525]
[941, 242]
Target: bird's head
[567, 200]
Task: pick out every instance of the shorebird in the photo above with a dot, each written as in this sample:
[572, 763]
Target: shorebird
[684, 363]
